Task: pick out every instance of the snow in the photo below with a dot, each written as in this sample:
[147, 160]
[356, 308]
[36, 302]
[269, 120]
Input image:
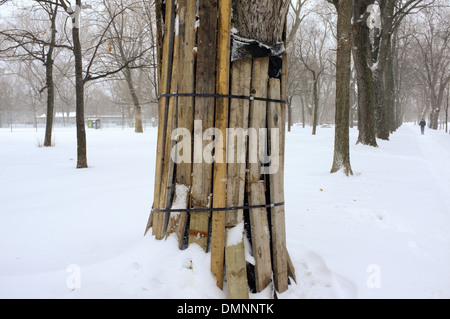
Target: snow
[374, 20]
[235, 234]
[68, 233]
[181, 199]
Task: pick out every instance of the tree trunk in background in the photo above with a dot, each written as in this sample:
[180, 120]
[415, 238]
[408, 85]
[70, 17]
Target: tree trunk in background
[79, 90]
[289, 114]
[390, 90]
[361, 58]
[138, 128]
[341, 158]
[316, 104]
[50, 100]
[382, 102]
[50, 84]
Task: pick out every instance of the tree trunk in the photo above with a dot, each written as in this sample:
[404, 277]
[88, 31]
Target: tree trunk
[138, 128]
[50, 101]
[219, 184]
[390, 90]
[79, 91]
[316, 105]
[289, 107]
[260, 19]
[341, 158]
[49, 84]
[381, 55]
[364, 77]
[303, 111]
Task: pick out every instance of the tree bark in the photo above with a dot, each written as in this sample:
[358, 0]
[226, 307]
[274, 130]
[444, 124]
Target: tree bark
[50, 84]
[341, 158]
[79, 91]
[252, 19]
[316, 104]
[381, 56]
[361, 58]
[138, 128]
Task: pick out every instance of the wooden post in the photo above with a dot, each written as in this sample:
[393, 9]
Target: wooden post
[160, 220]
[221, 123]
[185, 108]
[204, 115]
[255, 183]
[276, 120]
[237, 148]
[164, 87]
[235, 263]
[236, 270]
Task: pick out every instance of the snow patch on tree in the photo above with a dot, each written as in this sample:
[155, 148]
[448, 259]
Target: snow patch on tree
[374, 20]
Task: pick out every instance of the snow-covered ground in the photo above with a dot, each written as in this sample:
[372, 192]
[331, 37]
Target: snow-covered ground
[68, 233]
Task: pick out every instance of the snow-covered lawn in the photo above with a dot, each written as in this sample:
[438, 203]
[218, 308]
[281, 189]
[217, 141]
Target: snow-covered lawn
[68, 233]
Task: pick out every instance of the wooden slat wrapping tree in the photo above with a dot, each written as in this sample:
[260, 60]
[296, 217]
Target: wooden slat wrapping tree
[219, 179]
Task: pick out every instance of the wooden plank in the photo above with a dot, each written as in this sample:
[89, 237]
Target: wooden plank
[291, 268]
[204, 115]
[185, 107]
[177, 221]
[236, 269]
[284, 79]
[237, 141]
[235, 263]
[160, 220]
[221, 123]
[255, 181]
[164, 87]
[276, 120]
[260, 237]
[186, 73]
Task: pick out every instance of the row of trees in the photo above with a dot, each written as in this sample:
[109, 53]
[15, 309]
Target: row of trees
[399, 69]
[112, 40]
[413, 69]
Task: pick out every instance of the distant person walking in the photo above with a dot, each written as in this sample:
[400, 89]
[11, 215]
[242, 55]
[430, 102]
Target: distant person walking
[422, 126]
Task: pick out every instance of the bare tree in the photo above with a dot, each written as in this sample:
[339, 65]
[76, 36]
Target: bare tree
[35, 43]
[432, 38]
[313, 53]
[341, 159]
[93, 69]
[362, 58]
[130, 37]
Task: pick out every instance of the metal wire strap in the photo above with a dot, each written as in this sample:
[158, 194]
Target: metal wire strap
[206, 210]
[230, 96]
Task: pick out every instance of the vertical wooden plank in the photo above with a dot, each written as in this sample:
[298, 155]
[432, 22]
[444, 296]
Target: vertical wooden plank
[260, 237]
[235, 264]
[160, 220]
[236, 270]
[204, 116]
[221, 123]
[291, 268]
[185, 108]
[164, 87]
[186, 73]
[237, 140]
[284, 79]
[255, 181]
[276, 120]
[177, 221]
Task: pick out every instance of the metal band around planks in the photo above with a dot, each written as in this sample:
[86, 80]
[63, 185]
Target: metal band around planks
[229, 96]
[206, 210]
